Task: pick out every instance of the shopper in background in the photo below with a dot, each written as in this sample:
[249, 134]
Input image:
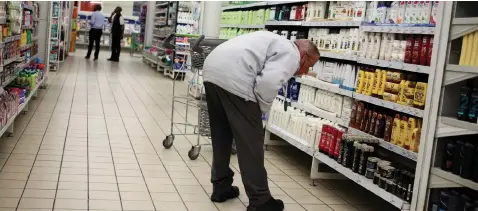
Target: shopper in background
[97, 22]
[117, 32]
[242, 77]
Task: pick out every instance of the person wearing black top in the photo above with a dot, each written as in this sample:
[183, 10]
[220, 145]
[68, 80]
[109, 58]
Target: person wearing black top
[117, 31]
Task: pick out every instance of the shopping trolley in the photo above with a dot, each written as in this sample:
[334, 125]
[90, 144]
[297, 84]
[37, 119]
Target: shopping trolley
[136, 45]
[194, 98]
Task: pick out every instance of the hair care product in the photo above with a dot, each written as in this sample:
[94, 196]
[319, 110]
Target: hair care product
[402, 137]
[475, 166]
[395, 130]
[420, 95]
[391, 87]
[417, 48]
[434, 13]
[382, 83]
[473, 111]
[387, 135]
[447, 157]
[457, 157]
[424, 51]
[466, 165]
[429, 52]
[379, 126]
[464, 108]
[376, 83]
[409, 49]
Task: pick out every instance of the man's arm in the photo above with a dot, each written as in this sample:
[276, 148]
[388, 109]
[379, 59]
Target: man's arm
[92, 20]
[122, 26]
[278, 68]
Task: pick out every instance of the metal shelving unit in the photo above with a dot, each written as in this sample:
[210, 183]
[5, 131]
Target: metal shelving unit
[54, 33]
[459, 19]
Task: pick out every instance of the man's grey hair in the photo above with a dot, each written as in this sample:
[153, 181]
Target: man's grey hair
[308, 46]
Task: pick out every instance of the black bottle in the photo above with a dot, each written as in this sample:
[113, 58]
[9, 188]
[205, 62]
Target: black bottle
[464, 107]
[473, 111]
[475, 166]
[466, 164]
[457, 158]
[444, 196]
[448, 156]
[455, 201]
[434, 200]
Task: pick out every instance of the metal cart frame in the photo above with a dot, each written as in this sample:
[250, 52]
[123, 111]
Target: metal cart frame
[197, 53]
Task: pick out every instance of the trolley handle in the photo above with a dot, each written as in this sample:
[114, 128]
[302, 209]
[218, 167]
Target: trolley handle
[196, 48]
[167, 42]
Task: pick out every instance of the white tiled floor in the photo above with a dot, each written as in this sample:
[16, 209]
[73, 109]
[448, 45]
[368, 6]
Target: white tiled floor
[93, 141]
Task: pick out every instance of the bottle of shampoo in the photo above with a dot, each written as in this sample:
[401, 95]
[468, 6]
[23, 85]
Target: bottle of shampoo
[463, 108]
[473, 111]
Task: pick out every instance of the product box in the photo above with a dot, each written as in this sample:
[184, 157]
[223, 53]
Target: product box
[434, 13]
[408, 12]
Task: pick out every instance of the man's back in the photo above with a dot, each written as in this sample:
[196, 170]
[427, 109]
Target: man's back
[235, 64]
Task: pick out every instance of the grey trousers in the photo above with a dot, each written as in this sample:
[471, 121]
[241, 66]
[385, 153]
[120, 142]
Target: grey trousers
[233, 117]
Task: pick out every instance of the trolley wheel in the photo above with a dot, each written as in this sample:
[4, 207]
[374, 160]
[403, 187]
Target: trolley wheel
[168, 141]
[194, 152]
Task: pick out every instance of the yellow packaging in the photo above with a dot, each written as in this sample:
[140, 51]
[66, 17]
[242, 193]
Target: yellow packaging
[403, 135]
[371, 81]
[409, 92]
[474, 50]
[407, 102]
[469, 48]
[401, 93]
[390, 97]
[464, 50]
[376, 86]
[395, 130]
[415, 142]
[360, 81]
[412, 124]
[365, 82]
[382, 84]
[391, 87]
[394, 77]
[420, 95]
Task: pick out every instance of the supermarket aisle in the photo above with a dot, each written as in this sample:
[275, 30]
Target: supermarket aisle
[92, 141]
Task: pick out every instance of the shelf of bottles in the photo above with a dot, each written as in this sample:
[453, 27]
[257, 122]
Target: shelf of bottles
[453, 178]
[54, 36]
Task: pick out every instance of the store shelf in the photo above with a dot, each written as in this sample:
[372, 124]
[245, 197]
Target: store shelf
[332, 23]
[440, 182]
[27, 27]
[460, 182]
[243, 6]
[444, 130]
[472, 127]
[242, 26]
[324, 86]
[336, 55]
[461, 68]
[11, 60]
[387, 145]
[291, 139]
[395, 65]
[11, 39]
[20, 109]
[320, 113]
[364, 182]
[150, 59]
[284, 23]
[391, 105]
[162, 4]
[399, 29]
[25, 47]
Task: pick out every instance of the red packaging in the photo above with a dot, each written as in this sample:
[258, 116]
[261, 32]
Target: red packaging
[298, 13]
[424, 51]
[337, 145]
[323, 137]
[417, 48]
[409, 49]
[429, 51]
[328, 132]
[332, 141]
[353, 114]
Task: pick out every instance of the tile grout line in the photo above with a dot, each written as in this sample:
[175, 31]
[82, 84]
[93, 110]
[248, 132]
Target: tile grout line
[109, 142]
[134, 152]
[29, 174]
[66, 136]
[154, 150]
[174, 148]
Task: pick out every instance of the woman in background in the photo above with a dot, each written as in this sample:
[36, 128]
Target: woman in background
[97, 22]
[117, 31]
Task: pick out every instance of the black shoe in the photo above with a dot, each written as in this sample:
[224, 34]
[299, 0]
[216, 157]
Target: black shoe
[87, 57]
[95, 59]
[233, 192]
[271, 205]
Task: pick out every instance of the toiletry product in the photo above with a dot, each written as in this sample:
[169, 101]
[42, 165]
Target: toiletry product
[473, 111]
[387, 135]
[457, 157]
[409, 49]
[434, 13]
[464, 106]
[466, 165]
[464, 50]
[395, 130]
[429, 51]
[447, 157]
[417, 48]
[420, 95]
[424, 50]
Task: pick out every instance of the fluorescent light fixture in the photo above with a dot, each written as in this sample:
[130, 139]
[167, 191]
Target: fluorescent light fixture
[96, 2]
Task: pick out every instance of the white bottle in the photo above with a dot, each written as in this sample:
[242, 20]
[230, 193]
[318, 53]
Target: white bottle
[371, 45]
[383, 47]
[389, 43]
[363, 43]
[378, 42]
